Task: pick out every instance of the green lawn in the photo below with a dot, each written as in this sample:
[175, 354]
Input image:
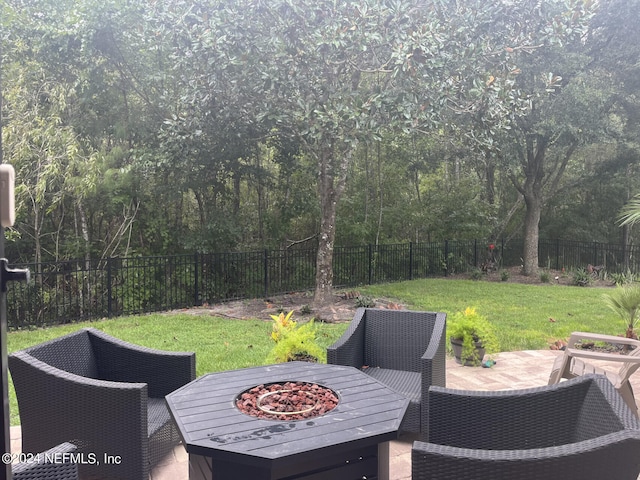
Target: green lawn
[521, 314]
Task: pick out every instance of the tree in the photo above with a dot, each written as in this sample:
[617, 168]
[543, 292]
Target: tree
[613, 44]
[333, 74]
[543, 44]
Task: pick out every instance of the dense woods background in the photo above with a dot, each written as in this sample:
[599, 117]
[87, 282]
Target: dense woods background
[170, 126]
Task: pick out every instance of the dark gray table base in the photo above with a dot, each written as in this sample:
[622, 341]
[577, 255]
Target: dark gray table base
[369, 463]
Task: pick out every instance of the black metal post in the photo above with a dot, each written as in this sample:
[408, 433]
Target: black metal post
[369, 265]
[196, 293]
[410, 260]
[109, 292]
[446, 258]
[265, 262]
[475, 253]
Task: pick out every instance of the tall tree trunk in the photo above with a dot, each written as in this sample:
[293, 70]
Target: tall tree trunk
[332, 174]
[531, 233]
[532, 192]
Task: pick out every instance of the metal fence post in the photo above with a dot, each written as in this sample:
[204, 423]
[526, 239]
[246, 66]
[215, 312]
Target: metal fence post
[475, 253]
[370, 266]
[196, 293]
[265, 262]
[446, 258]
[109, 291]
[410, 260]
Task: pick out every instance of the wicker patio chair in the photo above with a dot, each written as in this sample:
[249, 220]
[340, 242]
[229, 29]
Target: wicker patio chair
[403, 349]
[104, 395]
[54, 464]
[571, 365]
[578, 429]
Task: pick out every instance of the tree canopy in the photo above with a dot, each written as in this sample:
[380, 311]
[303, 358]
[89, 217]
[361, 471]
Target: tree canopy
[152, 127]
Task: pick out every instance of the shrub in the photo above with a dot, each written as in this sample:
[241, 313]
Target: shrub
[623, 278]
[475, 274]
[293, 341]
[364, 301]
[581, 278]
[282, 324]
[545, 277]
[299, 343]
[504, 275]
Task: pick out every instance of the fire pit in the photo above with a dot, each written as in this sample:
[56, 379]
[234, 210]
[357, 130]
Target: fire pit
[287, 401]
[246, 423]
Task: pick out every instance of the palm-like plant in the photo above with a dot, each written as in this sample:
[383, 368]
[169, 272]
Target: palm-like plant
[625, 301]
[630, 214]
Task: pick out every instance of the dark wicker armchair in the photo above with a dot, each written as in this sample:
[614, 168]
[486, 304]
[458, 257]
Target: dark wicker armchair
[56, 463]
[579, 429]
[102, 394]
[403, 349]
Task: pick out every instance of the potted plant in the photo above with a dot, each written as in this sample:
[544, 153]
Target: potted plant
[472, 337]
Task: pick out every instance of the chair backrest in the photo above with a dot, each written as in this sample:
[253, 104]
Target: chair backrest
[574, 411]
[72, 353]
[397, 339]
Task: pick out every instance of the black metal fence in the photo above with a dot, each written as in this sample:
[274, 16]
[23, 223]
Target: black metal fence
[69, 291]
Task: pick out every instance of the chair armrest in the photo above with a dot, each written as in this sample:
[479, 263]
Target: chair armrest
[433, 361]
[349, 348]
[575, 336]
[55, 463]
[71, 407]
[163, 371]
[608, 357]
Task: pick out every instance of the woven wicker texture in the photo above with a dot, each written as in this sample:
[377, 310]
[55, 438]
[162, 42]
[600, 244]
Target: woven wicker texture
[102, 394]
[54, 464]
[579, 429]
[403, 349]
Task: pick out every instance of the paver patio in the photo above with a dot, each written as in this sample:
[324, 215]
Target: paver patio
[513, 370]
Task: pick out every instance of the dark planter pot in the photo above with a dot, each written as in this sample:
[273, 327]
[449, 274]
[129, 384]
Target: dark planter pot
[456, 345]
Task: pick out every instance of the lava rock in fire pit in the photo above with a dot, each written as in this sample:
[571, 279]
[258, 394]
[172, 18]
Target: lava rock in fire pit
[287, 401]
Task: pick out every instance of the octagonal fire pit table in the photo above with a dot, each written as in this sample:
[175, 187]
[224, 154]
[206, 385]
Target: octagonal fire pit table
[351, 440]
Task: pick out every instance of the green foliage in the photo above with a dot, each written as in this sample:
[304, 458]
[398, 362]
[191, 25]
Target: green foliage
[475, 274]
[293, 341]
[155, 127]
[282, 326]
[504, 275]
[545, 276]
[472, 329]
[582, 278]
[625, 302]
[364, 301]
[520, 313]
[299, 342]
[623, 278]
